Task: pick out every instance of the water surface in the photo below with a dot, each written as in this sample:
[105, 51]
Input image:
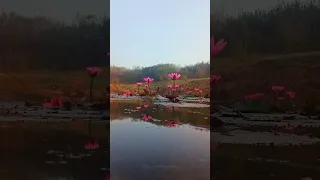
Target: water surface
[159, 148]
[53, 150]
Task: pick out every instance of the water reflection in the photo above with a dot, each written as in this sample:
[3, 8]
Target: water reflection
[246, 151]
[157, 142]
[40, 151]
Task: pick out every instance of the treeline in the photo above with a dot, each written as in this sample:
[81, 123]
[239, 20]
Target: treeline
[289, 27]
[28, 43]
[158, 72]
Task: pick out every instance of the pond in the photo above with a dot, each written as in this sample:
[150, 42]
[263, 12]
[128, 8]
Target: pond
[266, 146]
[159, 142]
[54, 150]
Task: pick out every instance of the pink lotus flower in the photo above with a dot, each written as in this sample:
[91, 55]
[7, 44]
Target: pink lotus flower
[138, 107]
[173, 123]
[200, 91]
[176, 86]
[146, 105]
[189, 92]
[55, 102]
[92, 146]
[93, 71]
[216, 48]
[139, 84]
[148, 80]
[291, 94]
[196, 89]
[277, 88]
[215, 78]
[146, 117]
[146, 85]
[169, 86]
[127, 93]
[174, 76]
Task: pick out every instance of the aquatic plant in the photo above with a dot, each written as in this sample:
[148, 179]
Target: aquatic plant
[55, 102]
[139, 84]
[92, 145]
[214, 78]
[148, 80]
[146, 117]
[127, 93]
[215, 49]
[174, 77]
[92, 72]
[173, 124]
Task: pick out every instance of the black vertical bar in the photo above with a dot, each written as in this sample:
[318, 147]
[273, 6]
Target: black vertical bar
[54, 118]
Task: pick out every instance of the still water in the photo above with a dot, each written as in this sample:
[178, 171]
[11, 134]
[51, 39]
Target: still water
[76, 150]
[158, 142]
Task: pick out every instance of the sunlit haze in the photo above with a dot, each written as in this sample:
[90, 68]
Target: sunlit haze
[145, 33]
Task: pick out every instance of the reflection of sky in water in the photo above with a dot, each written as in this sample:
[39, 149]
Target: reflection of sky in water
[142, 150]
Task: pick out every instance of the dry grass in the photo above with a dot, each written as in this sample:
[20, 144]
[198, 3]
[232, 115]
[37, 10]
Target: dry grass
[297, 72]
[37, 86]
[203, 84]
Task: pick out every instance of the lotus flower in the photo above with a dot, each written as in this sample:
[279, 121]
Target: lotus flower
[139, 84]
[127, 93]
[146, 117]
[55, 102]
[277, 88]
[217, 48]
[291, 94]
[148, 80]
[173, 123]
[214, 78]
[93, 72]
[92, 146]
[174, 76]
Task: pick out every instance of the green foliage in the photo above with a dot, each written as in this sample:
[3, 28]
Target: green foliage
[289, 27]
[158, 72]
[42, 43]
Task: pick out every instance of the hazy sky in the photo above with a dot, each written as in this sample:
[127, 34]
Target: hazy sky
[58, 9]
[149, 32]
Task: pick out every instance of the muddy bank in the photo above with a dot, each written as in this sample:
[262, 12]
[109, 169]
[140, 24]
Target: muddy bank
[195, 102]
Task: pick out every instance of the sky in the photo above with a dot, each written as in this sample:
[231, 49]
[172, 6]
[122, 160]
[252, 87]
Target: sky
[148, 32]
[58, 9]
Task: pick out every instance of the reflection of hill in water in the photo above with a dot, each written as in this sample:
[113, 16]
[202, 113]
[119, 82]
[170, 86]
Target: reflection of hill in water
[160, 114]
